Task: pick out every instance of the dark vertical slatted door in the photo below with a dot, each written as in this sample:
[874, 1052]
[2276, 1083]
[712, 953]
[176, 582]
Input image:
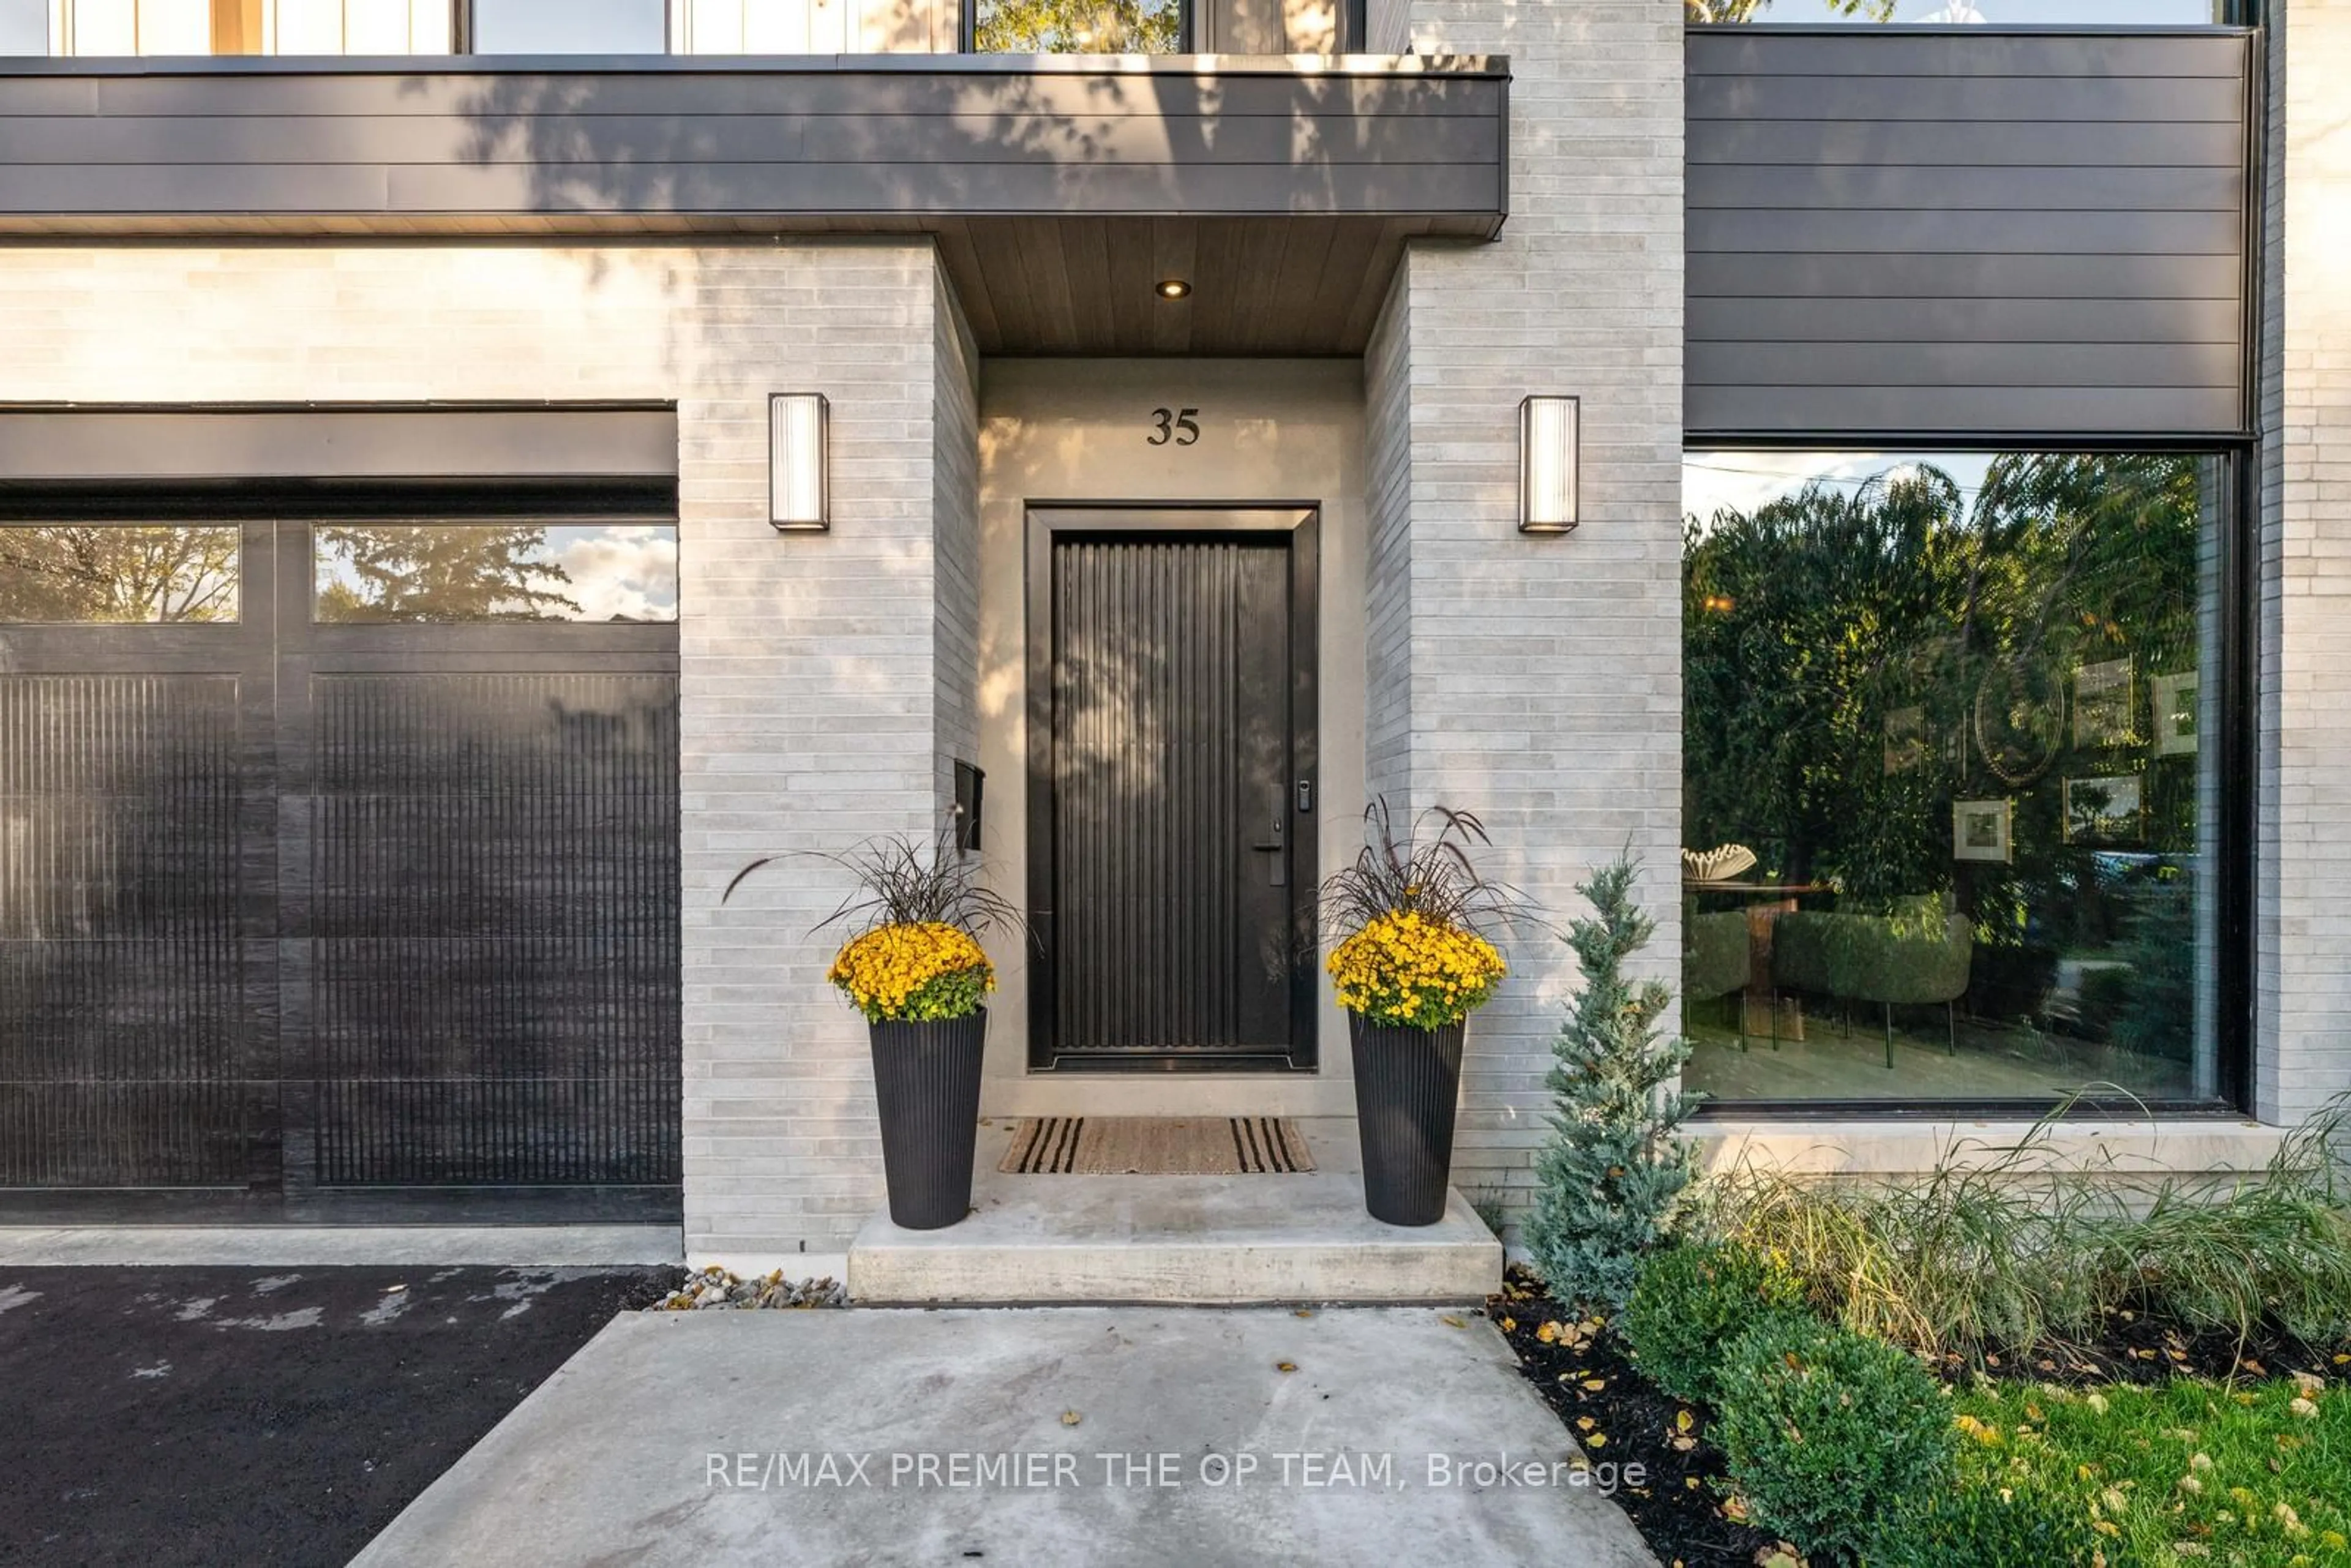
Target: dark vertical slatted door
[137, 1045]
[495, 982]
[122, 1015]
[1171, 768]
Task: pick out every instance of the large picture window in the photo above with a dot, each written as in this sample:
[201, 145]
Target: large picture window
[1953, 795]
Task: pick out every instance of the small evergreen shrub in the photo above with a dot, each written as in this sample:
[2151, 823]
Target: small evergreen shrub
[1615, 1171]
[1983, 1527]
[1830, 1435]
[1692, 1300]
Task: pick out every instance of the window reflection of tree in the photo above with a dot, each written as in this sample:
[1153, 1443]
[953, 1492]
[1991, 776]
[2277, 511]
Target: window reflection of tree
[1080, 26]
[118, 572]
[439, 572]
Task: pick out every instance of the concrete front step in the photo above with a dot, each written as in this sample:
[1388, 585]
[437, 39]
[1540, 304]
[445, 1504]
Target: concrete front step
[1206, 1240]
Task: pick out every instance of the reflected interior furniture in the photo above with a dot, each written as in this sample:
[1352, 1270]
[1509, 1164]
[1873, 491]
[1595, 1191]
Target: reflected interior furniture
[1715, 958]
[1766, 904]
[1916, 956]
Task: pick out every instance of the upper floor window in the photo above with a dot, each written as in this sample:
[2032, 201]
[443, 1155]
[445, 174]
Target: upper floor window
[224, 26]
[1079, 26]
[571, 26]
[1989, 13]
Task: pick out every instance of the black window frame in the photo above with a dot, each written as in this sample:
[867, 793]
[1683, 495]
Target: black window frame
[2236, 873]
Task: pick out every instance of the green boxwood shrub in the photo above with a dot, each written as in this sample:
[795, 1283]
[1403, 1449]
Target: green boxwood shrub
[1830, 1435]
[1985, 1527]
[1692, 1300]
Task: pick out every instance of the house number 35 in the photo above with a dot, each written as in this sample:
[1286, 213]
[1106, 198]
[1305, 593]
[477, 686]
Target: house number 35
[1181, 425]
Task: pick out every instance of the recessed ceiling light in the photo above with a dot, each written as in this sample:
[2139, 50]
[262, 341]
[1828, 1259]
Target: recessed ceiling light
[1174, 288]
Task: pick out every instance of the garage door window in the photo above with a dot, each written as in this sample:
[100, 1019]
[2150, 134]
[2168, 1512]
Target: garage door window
[408, 572]
[118, 573]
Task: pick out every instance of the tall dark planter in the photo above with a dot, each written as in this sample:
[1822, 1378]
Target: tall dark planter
[1405, 1083]
[926, 1081]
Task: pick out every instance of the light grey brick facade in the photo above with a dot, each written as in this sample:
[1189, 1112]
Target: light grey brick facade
[2302, 972]
[1537, 680]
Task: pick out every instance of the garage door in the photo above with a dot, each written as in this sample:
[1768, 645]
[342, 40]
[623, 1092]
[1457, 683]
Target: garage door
[338, 867]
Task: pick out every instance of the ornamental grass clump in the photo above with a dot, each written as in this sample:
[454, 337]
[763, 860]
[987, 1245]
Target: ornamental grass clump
[1417, 913]
[917, 909]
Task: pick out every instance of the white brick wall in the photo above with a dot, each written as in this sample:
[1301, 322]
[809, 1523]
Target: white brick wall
[1539, 677]
[814, 693]
[2303, 974]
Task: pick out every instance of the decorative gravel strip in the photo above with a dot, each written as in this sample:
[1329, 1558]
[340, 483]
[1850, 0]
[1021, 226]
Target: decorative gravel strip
[716, 1288]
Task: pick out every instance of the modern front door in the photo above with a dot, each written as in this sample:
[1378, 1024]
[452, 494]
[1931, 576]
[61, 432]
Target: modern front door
[1172, 658]
[319, 903]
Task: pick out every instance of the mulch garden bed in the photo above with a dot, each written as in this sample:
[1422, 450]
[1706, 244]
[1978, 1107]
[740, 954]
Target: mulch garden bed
[1685, 1512]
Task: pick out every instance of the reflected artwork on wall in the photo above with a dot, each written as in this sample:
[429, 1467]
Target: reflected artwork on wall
[2101, 704]
[1981, 831]
[1905, 740]
[2173, 699]
[2102, 810]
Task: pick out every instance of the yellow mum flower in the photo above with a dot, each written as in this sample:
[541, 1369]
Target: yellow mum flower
[1405, 969]
[918, 974]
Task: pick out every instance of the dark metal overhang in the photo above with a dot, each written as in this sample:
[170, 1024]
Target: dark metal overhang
[1059, 189]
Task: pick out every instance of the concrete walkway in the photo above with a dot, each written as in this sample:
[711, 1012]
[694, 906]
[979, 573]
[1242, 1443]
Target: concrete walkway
[1041, 1436]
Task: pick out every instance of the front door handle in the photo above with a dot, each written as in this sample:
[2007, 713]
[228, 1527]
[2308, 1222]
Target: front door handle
[1277, 849]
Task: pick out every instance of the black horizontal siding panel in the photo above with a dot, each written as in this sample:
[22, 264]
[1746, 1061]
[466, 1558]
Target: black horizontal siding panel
[653, 141]
[964, 188]
[1991, 412]
[1942, 320]
[1833, 275]
[2156, 99]
[748, 188]
[2043, 144]
[1832, 363]
[1967, 233]
[496, 98]
[1756, 52]
[1926, 230]
[2087, 188]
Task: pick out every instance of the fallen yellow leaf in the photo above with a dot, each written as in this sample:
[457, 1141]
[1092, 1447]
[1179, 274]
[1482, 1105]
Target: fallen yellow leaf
[1285, 1366]
[1070, 1417]
[1449, 1320]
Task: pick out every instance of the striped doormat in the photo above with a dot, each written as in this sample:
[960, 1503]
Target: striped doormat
[1156, 1145]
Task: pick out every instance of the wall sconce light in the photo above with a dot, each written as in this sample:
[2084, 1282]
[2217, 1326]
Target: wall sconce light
[797, 492]
[1547, 453]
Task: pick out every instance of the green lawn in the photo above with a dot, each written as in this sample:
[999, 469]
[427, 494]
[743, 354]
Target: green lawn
[2186, 1474]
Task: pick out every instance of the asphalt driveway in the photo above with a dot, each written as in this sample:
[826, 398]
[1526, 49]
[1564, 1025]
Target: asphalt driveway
[249, 1416]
